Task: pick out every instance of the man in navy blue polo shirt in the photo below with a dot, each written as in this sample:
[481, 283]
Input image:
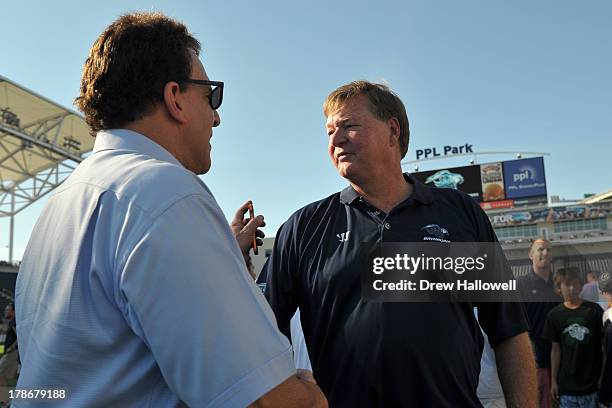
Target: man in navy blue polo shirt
[387, 354]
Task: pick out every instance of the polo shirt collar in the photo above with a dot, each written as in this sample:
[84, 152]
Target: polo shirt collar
[420, 192]
[349, 195]
[534, 276]
[124, 139]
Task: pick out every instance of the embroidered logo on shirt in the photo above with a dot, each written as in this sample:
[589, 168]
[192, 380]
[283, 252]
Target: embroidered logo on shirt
[344, 236]
[435, 233]
[576, 331]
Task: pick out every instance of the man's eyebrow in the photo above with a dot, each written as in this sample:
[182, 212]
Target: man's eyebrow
[340, 121]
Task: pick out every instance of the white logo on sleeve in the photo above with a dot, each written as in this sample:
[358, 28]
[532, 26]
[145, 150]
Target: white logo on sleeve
[576, 331]
[344, 236]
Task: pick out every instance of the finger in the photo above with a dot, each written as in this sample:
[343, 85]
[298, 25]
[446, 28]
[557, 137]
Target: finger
[247, 220]
[260, 234]
[259, 242]
[262, 222]
[253, 224]
[242, 210]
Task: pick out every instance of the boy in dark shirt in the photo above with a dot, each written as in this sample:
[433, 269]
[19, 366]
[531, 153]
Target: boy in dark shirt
[574, 327]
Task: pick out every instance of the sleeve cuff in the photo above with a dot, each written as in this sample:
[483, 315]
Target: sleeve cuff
[258, 382]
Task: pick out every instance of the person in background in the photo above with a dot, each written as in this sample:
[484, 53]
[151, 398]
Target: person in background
[574, 328]
[490, 392]
[538, 292]
[590, 290]
[9, 363]
[605, 390]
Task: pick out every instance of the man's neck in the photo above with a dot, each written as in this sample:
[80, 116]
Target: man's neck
[385, 194]
[543, 273]
[165, 134]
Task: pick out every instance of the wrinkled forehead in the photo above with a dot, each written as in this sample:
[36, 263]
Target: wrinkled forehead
[352, 108]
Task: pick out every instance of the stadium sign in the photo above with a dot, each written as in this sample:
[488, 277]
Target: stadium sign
[524, 178]
[497, 185]
[445, 151]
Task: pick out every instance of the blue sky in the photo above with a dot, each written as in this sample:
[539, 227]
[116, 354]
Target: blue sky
[501, 75]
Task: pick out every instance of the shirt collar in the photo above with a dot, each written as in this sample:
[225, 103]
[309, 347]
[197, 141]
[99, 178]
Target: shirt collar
[420, 192]
[538, 278]
[124, 139]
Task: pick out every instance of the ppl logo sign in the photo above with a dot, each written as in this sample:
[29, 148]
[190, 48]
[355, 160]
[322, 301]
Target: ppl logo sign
[524, 178]
[527, 174]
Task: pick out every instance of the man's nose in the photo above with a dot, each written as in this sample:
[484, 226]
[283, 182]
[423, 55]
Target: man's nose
[337, 138]
[216, 119]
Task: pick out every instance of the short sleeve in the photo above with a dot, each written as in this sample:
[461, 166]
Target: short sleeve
[186, 292]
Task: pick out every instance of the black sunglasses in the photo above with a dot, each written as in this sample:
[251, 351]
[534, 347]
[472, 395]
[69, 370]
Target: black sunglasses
[216, 93]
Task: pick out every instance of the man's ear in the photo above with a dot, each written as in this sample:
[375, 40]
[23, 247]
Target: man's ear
[394, 128]
[174, 101]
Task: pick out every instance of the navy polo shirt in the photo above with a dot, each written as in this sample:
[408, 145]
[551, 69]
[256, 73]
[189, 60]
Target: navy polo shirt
[383, 354]
[534, 287]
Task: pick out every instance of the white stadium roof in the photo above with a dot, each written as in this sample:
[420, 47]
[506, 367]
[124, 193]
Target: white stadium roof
[40, 144]
[597, 198]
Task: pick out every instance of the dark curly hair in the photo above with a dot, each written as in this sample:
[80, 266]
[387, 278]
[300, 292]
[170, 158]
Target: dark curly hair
[128, 66]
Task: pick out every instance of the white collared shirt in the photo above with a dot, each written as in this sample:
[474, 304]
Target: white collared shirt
[133, 291]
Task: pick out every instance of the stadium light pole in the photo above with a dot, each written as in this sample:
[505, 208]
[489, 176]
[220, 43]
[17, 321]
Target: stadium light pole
[11, 225]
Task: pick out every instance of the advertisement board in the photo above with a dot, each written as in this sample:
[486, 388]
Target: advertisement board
[524, 178]
[466, 179]
[492, 177]
[496, 185]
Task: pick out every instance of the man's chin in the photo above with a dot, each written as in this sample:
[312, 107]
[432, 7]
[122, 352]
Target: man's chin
[204, 168]
[344, 172]
[351, 176]
[346, 169]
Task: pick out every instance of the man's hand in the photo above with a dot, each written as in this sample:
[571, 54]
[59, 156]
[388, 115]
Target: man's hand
[244, 229]
[305, 375]
[294, 392]
[554, 390]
